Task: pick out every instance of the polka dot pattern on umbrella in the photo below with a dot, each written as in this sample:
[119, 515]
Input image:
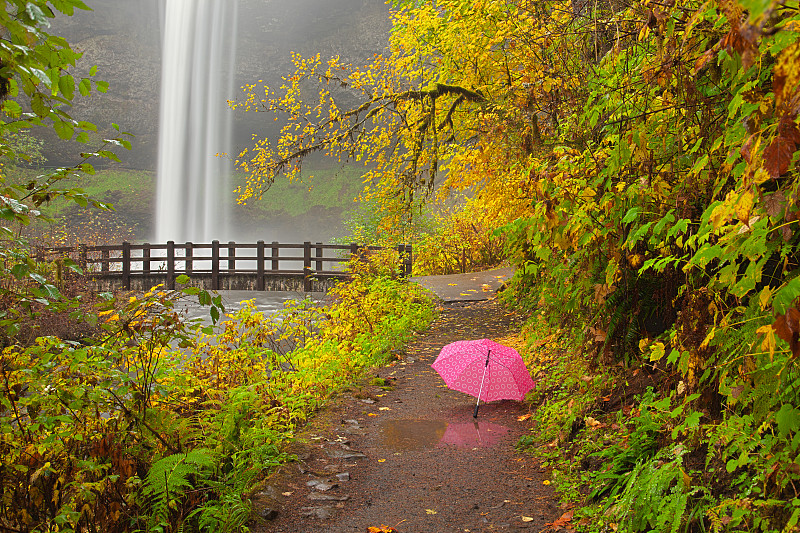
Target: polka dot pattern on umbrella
[461, 364]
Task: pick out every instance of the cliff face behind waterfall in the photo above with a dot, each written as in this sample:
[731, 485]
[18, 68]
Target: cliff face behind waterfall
[123, 39]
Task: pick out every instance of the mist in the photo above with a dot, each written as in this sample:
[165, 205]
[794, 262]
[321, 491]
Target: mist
[124, 39]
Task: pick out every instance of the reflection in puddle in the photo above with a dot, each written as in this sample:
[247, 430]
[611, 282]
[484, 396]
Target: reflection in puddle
[405, 435]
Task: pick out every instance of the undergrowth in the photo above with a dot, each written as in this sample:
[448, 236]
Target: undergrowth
[159, 425]
[635, 447]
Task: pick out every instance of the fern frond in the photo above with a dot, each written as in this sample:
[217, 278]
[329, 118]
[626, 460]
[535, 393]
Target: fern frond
[170, 478]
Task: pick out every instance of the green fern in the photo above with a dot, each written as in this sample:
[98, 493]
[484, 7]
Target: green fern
[171, 477]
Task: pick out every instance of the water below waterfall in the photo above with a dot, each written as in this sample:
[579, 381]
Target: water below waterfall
[198, 53]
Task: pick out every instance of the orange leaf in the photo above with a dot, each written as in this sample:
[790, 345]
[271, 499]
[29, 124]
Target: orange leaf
[563, 520]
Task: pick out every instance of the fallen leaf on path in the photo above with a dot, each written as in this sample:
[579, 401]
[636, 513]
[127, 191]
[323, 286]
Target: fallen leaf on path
[527, 518]
[372, 414]
[523, 418]
[381, 460]
[453, 284]
[563, 520]
[383, 409]
[381, 529]
[287, 493]
[546, 482]
[430, 511]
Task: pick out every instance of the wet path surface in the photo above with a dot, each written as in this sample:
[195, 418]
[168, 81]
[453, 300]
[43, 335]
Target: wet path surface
[413, 457]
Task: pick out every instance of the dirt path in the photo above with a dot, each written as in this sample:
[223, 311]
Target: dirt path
[413, 457]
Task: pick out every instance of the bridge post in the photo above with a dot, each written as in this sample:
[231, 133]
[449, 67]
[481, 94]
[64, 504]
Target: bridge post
[318, 253]
[126, 266]
[146, 259]
[260, 266]
[83, 256]
[231, 256]
[215, 265]
[404, 251]
[189, 258]
[275, 254]
[307, 272]
[104, 262]
[171, 265]
[353, 251]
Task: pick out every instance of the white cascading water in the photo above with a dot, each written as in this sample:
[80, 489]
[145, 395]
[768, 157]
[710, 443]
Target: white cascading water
[197, 72]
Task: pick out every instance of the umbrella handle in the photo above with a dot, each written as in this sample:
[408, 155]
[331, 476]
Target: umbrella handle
[485, 368]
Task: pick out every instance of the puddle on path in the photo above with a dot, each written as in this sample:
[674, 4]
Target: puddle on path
[407, 435]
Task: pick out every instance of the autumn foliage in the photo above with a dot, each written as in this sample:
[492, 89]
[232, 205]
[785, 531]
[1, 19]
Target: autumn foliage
[639, 161]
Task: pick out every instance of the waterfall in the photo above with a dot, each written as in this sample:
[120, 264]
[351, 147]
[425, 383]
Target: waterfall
[197, 73]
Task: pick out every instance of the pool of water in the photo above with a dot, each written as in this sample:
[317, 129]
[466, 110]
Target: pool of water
[268, 302]
[413, 434]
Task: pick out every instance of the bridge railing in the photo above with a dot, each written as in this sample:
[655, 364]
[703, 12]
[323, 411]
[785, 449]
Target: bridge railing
[218, 263]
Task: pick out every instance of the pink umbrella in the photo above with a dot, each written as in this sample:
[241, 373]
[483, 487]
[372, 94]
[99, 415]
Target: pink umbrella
[484, 369]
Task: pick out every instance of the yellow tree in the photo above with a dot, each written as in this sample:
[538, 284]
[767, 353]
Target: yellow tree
[462, 99]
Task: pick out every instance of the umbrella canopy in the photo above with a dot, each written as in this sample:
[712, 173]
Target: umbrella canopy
[484, 369]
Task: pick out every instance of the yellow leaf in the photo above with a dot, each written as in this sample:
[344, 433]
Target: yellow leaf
[708, 338]
[744, 206]
[546, 482]
[656, 351]
[769, 338]
[764, 297]
[430, 511]
[527, 518]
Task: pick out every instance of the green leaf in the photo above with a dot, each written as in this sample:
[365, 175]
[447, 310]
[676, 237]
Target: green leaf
[64, 129]
[631, 215]
[756, 7]
[20, 270]
[38, 106]
[66, 84]
[785, 296]
[788, 419]
[204, 298]
[12, 108]
[85, 87]
[183, 279]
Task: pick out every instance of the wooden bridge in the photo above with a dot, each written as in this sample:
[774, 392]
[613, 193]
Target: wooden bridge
[261, 266]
